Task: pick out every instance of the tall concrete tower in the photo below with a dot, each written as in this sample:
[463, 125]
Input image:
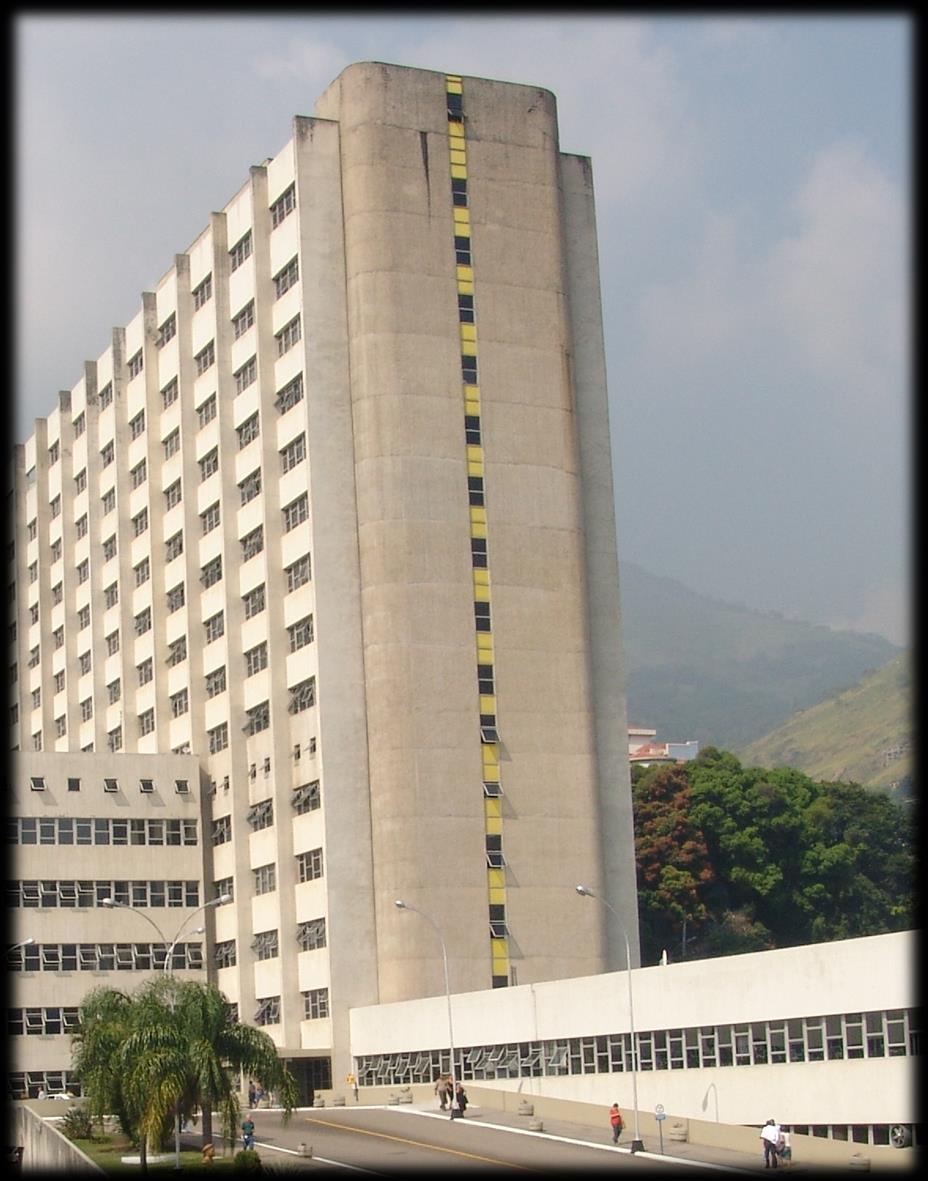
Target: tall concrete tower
[335, 513]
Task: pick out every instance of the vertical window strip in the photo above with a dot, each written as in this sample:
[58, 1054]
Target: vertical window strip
[461, 242]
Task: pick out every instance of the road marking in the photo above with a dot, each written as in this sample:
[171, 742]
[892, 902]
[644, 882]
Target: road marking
[490, 1160]
[321, 1160]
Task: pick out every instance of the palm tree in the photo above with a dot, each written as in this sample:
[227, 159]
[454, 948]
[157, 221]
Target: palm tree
[171, 1049]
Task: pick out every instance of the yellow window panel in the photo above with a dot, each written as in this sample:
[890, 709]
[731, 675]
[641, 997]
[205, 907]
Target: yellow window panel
[453, 84]
[461, 215]
[461, 231]
[472, 391]
[488, 704]
[455, 130]
[457, 156]
[496, 879]
[459, 171]
[484, 645]
[474, 454]
[492, 808]
[481, 578]
[472, 408]
[481, 594]
[496, 896]
[478, 516]
[475, 468]
[465, 272]
[469, 333]
[499, 953]
[468, 348]
[478, 528]
[466, 288]
[490, 759]
[493, 825]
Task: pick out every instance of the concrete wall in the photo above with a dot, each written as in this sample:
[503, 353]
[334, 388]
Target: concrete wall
[45, 1149]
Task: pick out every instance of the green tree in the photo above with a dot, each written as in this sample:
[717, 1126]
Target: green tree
[171, 1048]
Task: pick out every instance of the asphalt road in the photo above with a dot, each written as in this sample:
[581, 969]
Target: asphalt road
[389, 1140]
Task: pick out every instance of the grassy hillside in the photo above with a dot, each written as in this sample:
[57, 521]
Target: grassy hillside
[863, 735]
[724, 674]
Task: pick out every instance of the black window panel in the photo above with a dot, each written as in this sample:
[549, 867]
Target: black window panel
[488, 719]
[497, 913]
[475, 489]
[469, 368]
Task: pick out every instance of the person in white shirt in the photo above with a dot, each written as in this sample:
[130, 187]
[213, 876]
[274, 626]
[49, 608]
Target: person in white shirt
[770, 1135]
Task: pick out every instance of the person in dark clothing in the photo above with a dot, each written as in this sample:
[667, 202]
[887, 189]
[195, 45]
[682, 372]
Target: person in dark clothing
[459, 1106]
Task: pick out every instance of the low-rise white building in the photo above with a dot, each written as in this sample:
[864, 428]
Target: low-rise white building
[822, 1037]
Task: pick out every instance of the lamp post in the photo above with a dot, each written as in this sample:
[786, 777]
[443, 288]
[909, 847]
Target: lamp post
[168, 970]
[22, 943]
[401, 905]
[637, 1143]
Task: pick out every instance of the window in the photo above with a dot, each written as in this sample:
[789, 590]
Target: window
[265, 879]
[209, 518]
[485, 679]
[167, 330]
[244, 319]
[114, 740]
[301, 633]
[108, 500]
[252, 543]
[173, 495]
[57, 592]
[293, 453]
[205, 358]
[482, 617]
[59, 681]
[218, 738]
[83, 571]
[147, 721]
[290, 394]
[255, 659]
[55, 549]
[214, 627]
[80, 483]
[202, 293]
[177, 651]
[299, 573]
[206, 411]
[478, 552]
[288, 336]
[106, 394]
[55, 506]
[140, 523]
[135, 368]
[225, 954]
[34, 657]
[245, 376]
[465, 308]
[58, 637]
[248, 431]
[209, 463]
[265, 945]
[469, 368]
[462, 249]
[174, 547]
[83, 618]
[84, 662]
[216, 682]
[221, 831]
[302, 696]
[175, 598]
[79, 425]
[137, 425]
[268, 1011]
[285, 278]
[240, 251]
[284, 204]
[309, 865]
[180, 703]
[114, 691]
[169, 394]
[142, 571]
[475, 489]
[259, 718]
[111, 595]
[296, 512]
[254, 601]
[311, 935]
[109, 548]
[86, 708]
[316, 1003]
[494, 848]
[36, 698]
[142, 622]
[112, 643]
[145, 671]
[250, 487]
[139, 474]
[261, 815]
[211, 573]
[172, 443]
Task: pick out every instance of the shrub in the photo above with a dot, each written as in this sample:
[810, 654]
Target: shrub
[247, 1161]
[77, 1124]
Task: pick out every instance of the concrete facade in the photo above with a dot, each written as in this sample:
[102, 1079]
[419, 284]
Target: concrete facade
[82, 828]
[345, 482]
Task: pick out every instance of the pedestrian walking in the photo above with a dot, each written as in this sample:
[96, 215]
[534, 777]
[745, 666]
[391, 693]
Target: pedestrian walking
[248, 1132]
[443, 1090]
[252, 1094]
[615, 1118]
[770, 1137]
[786, 1149]
[459, 1106]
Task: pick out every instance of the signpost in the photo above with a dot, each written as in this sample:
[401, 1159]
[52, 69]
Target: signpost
[660, 1115]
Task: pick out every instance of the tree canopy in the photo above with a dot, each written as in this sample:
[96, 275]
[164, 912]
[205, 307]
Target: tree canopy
[733, 859]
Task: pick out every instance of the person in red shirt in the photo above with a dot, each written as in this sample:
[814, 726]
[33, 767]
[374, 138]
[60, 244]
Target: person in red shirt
[615, 1118]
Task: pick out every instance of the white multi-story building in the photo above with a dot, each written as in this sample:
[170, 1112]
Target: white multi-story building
[334, 513]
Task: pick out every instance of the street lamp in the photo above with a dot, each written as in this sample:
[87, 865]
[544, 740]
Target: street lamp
[401, 905]
[167, 969]
[637, 1143]
[23, 943]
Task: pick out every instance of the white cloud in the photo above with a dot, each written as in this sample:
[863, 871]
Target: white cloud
[837, 286]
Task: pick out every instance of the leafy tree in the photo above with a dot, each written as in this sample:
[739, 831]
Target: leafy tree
[171, 1048]
[752, 858]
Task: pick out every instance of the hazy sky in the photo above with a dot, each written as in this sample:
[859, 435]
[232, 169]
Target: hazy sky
[752, 183]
